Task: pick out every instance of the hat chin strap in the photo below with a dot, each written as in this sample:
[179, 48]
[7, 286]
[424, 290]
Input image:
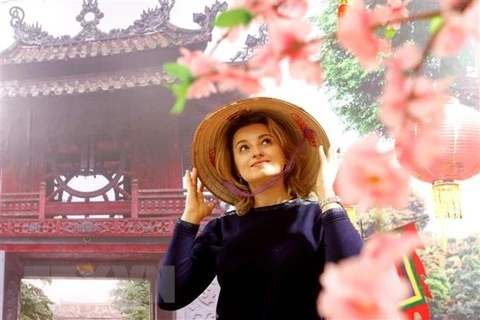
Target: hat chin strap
[288, 167]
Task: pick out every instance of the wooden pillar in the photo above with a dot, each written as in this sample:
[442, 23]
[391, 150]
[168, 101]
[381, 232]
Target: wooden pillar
[41, 204]
[11, 292]
[175, 156]
[156, 312]
[134, 201]
[153, 300]
[2, 279]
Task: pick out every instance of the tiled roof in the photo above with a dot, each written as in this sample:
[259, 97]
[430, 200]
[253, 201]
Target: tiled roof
[80, 84]
[152, 30]
[20, 53]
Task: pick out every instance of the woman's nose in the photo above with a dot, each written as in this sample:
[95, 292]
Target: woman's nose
[257, 152]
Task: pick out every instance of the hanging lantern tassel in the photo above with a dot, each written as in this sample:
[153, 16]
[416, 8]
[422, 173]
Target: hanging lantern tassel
[352, 215]
[447, 202]
[342, 8]
[447, 199]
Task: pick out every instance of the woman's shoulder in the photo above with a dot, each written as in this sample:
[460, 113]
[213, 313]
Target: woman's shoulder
[297, 203]
[307, 202]
[293, 204]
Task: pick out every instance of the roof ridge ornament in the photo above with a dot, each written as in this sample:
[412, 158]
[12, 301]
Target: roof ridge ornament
[251, 44]
[206, 19]
[90, 30]
[151, 21]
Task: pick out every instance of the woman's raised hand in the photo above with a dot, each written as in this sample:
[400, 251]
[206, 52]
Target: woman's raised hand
[327, 173]
[196, 208]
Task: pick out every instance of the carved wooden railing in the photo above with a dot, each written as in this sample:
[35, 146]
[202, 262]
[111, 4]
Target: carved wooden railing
[154, 202]
[23, 205]
[144, 203]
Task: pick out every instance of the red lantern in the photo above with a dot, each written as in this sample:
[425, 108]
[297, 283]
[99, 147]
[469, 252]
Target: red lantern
[342, 8]
[460, 135]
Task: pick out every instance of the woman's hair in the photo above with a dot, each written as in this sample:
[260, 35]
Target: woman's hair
[288, 141]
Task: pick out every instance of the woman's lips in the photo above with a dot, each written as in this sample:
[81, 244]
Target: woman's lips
[256, 163]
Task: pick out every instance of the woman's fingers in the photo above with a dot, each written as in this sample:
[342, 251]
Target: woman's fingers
[211, 205]
[330, 154]
[191, 178]
[194, 176]
[321, 151]
[188, 179]
[196, 182]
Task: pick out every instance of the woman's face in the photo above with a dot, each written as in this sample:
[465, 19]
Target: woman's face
[257, 154]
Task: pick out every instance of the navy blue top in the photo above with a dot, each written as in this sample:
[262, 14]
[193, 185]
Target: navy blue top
[267, 262]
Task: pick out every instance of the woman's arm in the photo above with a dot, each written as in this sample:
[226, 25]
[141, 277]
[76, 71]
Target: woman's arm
[189, 265]
[340, 237]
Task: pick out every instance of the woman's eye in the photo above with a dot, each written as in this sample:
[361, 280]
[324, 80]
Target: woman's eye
[242, 148]
[266, 141]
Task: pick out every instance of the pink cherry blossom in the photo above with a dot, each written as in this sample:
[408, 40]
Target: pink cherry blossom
[396, 90]
[203, 68]
[447, 5]
[417, 97]
[310, 71]
[388, 248]
[451, 38]
[208, 71]
[397, 11]
[291, 9]
[428, 98]
[471, 17]
[407, 56]
[273, 9]
[202, 87]
[373, 296]
[406, 101]
[256, 7]
[288, 40]
[355, 34]
[368, 177]
[394, 99]
[377, 293]
[418, 145]
[458, 28]
[198, 62]
[268, 61]
[238, 79]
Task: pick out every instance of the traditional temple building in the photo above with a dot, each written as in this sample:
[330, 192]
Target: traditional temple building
[91, 159]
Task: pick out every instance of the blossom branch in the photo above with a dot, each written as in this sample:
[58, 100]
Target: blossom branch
[217, 44]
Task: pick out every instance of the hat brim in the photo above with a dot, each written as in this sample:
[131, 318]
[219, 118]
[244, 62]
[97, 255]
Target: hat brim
[216, 123]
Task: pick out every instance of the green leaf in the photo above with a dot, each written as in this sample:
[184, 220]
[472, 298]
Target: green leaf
[435, 24]
[180, 91]
[390, 33]
[179, 105]
[177, 70]
[233, 18]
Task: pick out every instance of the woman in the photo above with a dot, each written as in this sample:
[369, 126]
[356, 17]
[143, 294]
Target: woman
[264, 156]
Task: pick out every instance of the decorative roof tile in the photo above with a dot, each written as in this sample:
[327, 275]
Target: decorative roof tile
[80, 84]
